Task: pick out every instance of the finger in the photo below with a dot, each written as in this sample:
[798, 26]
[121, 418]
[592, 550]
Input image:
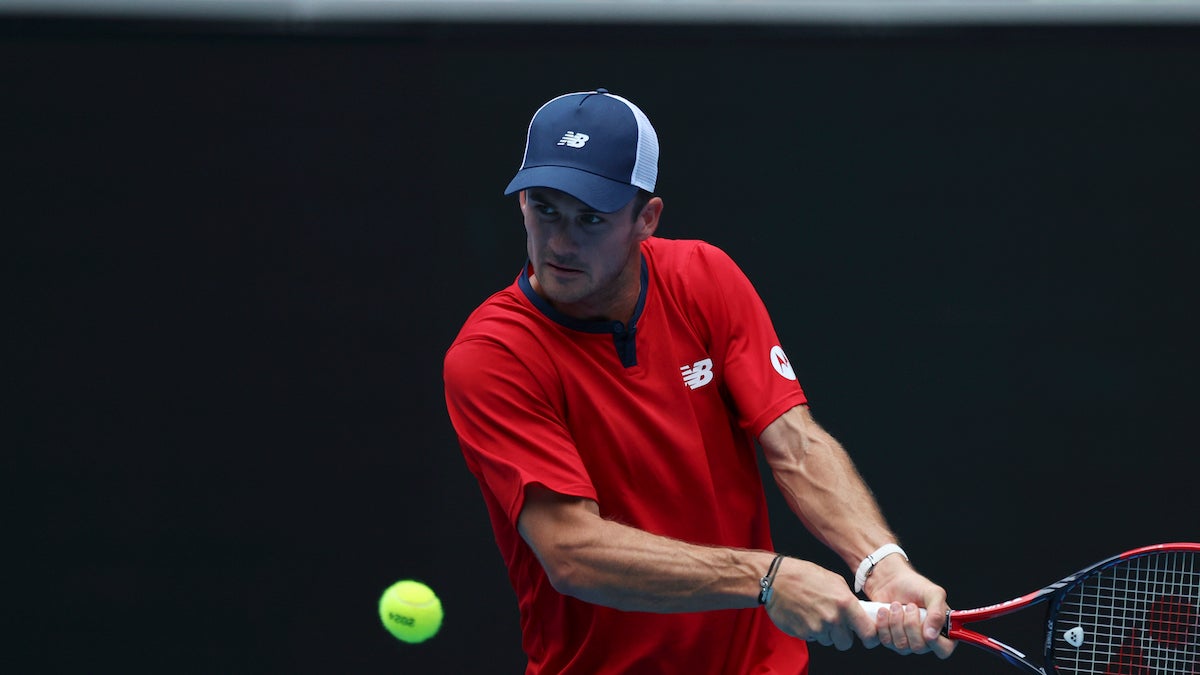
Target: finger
[843, 639]
[914, 630]
[935, 619]
[883, 627]
[932, 627]
[943, 647]
[866, 626]
[896, 617]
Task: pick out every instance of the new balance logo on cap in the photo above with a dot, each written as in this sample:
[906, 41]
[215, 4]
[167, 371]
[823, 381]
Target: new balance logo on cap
[698, 374]
[574, 140]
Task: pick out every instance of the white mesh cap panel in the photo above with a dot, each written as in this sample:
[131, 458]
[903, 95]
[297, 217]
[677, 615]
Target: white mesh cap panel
[645, 168]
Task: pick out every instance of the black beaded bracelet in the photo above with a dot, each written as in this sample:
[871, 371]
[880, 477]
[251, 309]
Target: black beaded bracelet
[765, 594]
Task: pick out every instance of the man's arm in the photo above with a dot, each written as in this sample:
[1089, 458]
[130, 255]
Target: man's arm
[607, 563]
[824, 489]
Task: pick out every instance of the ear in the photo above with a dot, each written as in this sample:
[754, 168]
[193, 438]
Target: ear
[647, 220]
[521, 199]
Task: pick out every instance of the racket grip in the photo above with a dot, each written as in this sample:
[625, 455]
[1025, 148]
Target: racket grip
[872, 608]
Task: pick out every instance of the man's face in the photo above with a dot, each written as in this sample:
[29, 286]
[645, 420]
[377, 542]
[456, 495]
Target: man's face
[586, 263]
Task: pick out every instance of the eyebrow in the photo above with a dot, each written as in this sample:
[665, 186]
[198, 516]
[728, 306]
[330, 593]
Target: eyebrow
[539, 196]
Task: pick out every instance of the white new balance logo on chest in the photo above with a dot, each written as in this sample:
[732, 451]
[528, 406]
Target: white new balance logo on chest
[698, 374]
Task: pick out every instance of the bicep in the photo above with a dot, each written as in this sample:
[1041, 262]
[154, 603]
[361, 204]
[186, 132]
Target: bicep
[546, 513]
[552, 524]
[790, 436]
[805, 459]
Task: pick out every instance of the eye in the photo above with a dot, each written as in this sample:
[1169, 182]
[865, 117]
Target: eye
[544, 209]
[590, 219]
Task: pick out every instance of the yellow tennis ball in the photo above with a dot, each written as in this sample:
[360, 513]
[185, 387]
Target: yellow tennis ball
[411, 611]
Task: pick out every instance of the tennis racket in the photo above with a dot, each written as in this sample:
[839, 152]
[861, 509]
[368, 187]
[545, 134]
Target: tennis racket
[1137, 613]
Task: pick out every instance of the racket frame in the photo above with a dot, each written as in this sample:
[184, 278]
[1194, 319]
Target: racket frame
[956, 620]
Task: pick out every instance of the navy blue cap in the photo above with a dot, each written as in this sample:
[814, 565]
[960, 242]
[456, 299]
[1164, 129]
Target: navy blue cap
[595, 146]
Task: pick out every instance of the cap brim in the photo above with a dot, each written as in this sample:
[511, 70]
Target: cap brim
[600, 193]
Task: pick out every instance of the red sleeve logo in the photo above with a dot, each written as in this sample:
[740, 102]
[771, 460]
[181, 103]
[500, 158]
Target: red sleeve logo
[780, 362]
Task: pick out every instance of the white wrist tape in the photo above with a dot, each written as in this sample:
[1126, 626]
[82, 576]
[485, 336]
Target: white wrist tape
[868, 564]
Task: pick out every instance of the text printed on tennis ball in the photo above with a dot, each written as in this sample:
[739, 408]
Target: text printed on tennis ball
[402, 620]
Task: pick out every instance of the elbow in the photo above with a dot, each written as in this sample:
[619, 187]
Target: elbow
[561, 578]
[571, 564]
[565, 574]
[565, 535]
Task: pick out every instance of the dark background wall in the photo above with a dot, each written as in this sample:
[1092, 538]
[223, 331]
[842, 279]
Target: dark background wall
[237, 254]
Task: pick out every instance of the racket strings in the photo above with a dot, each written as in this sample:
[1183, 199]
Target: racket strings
[1138, 617]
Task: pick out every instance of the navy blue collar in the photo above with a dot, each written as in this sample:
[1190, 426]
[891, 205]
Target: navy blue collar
[623, 336]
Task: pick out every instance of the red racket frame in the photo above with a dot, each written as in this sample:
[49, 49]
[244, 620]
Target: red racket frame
[956, 620]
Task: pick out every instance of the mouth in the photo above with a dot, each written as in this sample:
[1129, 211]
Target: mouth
[559, 269]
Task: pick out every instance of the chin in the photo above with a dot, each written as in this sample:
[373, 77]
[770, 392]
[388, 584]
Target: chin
[559, 296]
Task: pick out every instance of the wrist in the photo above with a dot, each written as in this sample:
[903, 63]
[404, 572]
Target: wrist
[766, 583]
[889, 553]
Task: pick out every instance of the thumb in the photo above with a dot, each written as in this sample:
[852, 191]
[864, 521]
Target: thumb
[864, 624]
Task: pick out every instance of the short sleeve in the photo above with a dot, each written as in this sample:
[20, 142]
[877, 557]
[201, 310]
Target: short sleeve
[511, 432]
[758, 374]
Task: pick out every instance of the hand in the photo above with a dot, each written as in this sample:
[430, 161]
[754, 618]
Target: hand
[814, 604]
[899, 626]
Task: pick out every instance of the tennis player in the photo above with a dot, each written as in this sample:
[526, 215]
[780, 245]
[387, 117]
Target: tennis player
[608, 402]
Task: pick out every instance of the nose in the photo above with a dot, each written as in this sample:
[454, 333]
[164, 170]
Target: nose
[560, 240]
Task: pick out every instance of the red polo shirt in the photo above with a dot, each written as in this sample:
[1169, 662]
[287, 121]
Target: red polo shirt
[654, 421]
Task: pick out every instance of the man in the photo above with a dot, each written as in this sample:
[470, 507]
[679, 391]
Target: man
[608, 402]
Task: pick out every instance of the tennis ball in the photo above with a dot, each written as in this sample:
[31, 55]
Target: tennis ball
[411, 611]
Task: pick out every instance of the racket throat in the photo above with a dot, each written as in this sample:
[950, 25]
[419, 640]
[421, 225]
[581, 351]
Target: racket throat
[1014, 656]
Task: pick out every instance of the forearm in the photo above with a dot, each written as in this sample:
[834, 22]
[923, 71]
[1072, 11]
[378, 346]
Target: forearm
[610, 564]
[632, 570]
[823, 488]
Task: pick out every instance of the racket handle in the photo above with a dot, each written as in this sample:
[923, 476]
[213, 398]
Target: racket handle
[872, 608]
